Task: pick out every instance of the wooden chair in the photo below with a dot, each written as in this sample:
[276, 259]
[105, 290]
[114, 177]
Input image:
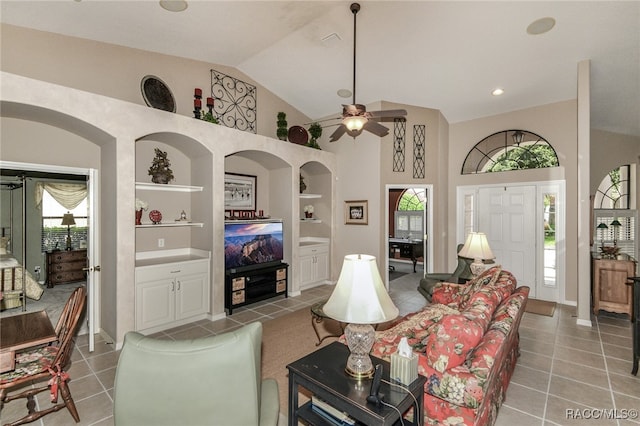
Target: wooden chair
[46, 362]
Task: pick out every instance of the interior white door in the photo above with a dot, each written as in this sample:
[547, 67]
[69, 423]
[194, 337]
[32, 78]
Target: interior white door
[508, 216]
[93, 256]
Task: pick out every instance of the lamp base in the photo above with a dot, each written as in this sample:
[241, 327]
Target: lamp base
[360, 339]
[477, 267]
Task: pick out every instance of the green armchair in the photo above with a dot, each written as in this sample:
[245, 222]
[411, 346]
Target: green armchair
[208, 381]
[460, 275]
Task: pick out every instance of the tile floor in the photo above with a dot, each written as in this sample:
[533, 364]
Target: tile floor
[563, 366]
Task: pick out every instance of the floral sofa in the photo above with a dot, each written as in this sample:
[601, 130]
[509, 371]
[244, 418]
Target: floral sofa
[467, 344]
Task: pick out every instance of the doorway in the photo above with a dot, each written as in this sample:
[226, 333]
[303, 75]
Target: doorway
[90, 176]
[408, 221]
[534, 254]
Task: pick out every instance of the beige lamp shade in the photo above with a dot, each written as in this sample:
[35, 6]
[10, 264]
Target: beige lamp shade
[360, 296]
[477, 247]
[68, 219]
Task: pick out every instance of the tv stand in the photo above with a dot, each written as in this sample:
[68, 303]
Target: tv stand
[243, 287]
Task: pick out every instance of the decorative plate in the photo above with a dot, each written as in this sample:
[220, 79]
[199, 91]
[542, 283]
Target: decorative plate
[156, 94]
[155, 216]
[298, 135]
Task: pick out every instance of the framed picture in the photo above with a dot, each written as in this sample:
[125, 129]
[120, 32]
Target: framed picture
[356, 212]
[239, 192]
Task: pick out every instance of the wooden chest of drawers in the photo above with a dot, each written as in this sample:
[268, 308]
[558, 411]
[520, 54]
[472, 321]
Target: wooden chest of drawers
[65, 266]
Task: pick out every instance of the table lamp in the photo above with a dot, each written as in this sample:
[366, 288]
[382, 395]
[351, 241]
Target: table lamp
[67, 219]
[616, 224]
[602, 226]
[360, 299]
[476, 247]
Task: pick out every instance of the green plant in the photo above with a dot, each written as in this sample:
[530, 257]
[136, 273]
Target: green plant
[315, 130]
[282, 131]
[160, 171]
[207, 116]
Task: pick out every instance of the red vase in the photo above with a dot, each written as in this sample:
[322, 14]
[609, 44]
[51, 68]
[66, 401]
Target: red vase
[139, 217]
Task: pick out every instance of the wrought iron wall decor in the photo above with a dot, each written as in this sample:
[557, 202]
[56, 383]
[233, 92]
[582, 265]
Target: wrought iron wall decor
[235, 102]
[419, 140]
[399, 132]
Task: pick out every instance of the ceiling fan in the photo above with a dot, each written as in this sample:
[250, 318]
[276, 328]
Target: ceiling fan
[355, 117]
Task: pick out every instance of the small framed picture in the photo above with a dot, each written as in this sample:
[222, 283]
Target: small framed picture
[356, 212]
[239, 192]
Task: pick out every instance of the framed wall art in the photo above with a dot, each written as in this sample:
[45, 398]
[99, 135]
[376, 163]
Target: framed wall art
[239, 191]
[356, 212]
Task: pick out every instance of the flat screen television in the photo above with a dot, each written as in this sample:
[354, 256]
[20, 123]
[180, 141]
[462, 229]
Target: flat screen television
[252, 244]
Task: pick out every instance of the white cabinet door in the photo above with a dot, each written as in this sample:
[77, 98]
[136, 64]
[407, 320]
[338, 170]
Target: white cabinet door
[314, 264]
[155, 303]
[322, 266]
[306, 270]
[192, 295]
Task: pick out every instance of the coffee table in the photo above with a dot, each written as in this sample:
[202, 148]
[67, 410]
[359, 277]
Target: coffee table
[317, 317]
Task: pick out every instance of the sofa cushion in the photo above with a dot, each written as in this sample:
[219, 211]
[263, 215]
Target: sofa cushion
[451, 341]
[481, 306]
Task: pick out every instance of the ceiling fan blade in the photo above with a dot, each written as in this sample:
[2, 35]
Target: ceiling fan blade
[341, 130]
[390, 113]
[376, 129]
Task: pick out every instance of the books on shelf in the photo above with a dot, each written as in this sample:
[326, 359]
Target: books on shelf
[331, 414]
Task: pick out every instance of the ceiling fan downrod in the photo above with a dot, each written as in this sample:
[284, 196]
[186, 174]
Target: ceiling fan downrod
[355, 8]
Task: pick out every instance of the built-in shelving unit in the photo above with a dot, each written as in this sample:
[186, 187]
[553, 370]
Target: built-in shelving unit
[167, 187]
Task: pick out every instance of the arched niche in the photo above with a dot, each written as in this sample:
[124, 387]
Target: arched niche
[192, 165]
[274, 187]
[317, 192]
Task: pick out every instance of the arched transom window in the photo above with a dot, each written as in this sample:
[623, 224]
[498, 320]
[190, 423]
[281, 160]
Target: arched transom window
[510, 150]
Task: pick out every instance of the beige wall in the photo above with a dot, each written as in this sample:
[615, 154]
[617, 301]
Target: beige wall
[554, 122]
[117, 71]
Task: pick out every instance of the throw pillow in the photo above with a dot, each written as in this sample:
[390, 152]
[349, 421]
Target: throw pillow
[486, 278]
[451, 341]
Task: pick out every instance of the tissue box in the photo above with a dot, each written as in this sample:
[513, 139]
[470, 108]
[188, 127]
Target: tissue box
[404, 369]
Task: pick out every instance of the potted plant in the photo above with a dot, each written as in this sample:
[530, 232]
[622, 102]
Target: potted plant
[160, 171]
[308, 211]
[315, 130]
[282, 131]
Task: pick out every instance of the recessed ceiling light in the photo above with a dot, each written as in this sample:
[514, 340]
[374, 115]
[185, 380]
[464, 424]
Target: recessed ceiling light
[541, 26]
[344, 93]
[497, 92]
[174, 5]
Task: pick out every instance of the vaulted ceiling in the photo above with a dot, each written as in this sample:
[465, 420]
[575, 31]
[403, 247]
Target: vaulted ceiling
[445, 55]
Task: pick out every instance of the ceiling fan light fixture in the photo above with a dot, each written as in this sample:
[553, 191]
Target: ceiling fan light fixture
[354, 123]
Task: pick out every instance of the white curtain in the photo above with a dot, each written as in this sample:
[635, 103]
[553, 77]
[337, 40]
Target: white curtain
[69, 195]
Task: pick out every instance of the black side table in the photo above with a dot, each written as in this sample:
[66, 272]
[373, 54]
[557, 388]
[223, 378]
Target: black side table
[322, 373]
[636, 323]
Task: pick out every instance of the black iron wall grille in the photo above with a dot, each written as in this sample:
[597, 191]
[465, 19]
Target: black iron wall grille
[235, 102]
[419, 138]
[399, 132]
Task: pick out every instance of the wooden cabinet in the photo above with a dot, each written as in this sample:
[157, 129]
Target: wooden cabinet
[610, 290]
[66, 266]
[171, 294]
[314, 263]
[246, 287]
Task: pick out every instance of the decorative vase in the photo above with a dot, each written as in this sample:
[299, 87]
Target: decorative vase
[308, 215]
[139, 217]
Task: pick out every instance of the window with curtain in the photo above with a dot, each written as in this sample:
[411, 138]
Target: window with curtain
[56, 200]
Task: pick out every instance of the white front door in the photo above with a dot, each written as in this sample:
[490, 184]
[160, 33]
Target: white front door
[508, 216]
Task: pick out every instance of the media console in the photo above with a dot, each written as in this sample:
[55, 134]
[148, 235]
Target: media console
[244, 287]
